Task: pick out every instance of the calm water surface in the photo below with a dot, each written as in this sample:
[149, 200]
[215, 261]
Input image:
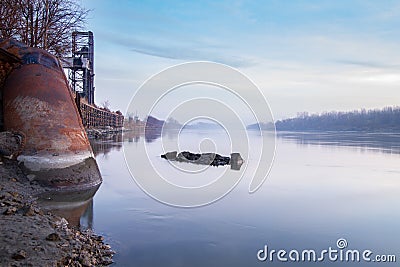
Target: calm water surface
[317, 192]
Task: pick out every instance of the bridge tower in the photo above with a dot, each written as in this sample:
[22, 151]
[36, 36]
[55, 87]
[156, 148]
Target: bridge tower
[82, 66]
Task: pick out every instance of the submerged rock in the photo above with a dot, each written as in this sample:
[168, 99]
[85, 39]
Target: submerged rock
[212, 159]
[236, 161]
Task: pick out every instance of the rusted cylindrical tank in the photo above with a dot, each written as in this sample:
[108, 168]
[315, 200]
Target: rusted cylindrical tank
[38, 104]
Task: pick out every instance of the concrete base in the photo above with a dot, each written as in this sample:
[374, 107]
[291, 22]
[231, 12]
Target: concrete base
[80, 176]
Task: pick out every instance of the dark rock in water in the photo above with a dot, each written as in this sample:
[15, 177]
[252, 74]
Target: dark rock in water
[203, 159]
[170, 155]
[212, 159]
[236, 161]
[107, 261]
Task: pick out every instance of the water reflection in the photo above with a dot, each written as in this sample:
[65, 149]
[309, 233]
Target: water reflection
[105, 144]
[313, 197]
[86, 219]
[381, 142]
[76, 207]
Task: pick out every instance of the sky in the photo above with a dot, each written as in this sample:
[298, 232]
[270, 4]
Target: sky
[312, 56]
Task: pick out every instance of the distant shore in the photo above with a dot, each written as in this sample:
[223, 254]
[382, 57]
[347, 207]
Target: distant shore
[374, 120]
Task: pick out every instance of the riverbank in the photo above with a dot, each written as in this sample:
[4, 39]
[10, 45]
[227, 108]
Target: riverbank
[33, 237]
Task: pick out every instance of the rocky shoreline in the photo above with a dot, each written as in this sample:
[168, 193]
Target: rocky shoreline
[98, 133]
[30, 236]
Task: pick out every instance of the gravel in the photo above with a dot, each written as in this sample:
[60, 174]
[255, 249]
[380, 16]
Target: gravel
[31, 237]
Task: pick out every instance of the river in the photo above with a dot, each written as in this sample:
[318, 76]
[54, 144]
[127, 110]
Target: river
[321, 188]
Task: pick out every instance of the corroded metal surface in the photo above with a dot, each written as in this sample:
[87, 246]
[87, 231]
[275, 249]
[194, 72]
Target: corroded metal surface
[10, 57]
[93, 116]
[38, 103]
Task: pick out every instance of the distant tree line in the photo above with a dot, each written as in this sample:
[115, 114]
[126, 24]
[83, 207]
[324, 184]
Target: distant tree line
[269, 126]
[386, 119]
[46, 24]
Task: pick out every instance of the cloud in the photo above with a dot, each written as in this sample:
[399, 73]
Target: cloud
[369, 64]
[183, 53]
[201, 50]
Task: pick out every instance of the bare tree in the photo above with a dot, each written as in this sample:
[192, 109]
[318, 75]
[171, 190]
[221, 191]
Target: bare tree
[9, 19]
[106, 104]
[46, 24]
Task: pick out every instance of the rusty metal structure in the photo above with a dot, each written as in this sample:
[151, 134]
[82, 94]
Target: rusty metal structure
[81, 77]
[82, 67]
[93, 116]
[8, 61]
[39, 105]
